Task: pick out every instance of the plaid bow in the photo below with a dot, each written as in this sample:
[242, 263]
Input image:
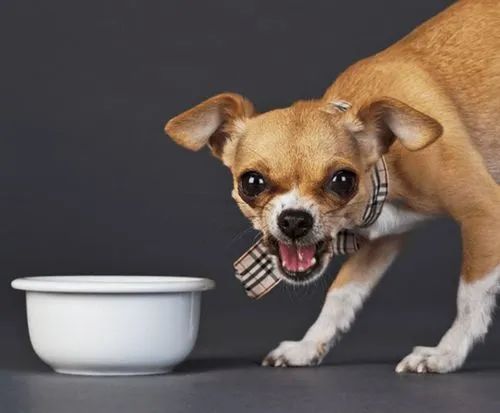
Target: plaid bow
[256, 268]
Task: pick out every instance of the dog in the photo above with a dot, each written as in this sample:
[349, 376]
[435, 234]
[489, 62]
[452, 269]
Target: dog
[429, 108]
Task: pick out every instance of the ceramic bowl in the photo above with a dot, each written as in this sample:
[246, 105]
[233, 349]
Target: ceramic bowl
[113, 325]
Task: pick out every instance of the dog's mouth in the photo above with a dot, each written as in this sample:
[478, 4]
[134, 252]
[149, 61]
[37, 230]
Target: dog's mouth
[300, 263]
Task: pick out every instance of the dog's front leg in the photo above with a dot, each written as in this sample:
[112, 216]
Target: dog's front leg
[352, 286]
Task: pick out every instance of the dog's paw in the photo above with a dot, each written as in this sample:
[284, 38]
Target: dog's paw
[430, 360]
[296, 353]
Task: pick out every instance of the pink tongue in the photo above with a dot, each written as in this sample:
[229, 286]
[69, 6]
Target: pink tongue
[295, 258]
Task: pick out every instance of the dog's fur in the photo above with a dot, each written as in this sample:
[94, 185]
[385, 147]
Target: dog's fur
[431, 105]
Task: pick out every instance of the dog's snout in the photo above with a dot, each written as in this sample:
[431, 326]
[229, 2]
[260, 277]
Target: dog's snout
[295, 223]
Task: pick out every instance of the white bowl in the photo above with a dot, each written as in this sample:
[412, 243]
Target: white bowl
[113, 325]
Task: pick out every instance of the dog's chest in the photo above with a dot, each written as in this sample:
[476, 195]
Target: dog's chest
[392, 220]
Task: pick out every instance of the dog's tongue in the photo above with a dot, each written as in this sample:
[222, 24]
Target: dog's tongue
[295, 258]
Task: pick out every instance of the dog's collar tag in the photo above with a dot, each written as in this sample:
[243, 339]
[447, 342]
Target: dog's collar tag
[256, 268]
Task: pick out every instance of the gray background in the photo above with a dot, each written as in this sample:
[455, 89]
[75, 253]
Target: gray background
[89, 184]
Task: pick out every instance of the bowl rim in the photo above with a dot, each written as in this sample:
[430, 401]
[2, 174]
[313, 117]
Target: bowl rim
[98, 284]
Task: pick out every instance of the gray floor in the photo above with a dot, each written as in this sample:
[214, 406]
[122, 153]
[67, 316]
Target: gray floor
[239, 385]
[223, 374]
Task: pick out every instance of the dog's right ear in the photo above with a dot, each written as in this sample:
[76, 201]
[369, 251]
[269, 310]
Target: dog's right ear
[211, 123]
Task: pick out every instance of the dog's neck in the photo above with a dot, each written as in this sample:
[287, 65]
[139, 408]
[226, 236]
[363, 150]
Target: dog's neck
[349, 241]
[380, 191]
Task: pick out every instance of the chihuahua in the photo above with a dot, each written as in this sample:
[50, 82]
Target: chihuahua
[429, 108]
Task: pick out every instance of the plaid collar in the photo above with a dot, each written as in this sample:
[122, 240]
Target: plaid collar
[256, 268]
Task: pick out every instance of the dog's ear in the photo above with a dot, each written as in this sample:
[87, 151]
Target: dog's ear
[211, 123]
[379, 123]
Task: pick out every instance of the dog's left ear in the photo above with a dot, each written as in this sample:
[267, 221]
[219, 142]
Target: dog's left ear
[211, 122]
[380, 123]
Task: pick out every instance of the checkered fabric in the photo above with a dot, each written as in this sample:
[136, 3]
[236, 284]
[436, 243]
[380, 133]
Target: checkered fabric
[256, 268]
[256, 271]
[380, 185]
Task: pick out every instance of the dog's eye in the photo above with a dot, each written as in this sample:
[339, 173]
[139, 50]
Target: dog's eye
[252, 184]
[343, 183]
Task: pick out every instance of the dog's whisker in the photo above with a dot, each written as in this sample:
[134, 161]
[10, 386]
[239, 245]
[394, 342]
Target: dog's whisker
[238, 236]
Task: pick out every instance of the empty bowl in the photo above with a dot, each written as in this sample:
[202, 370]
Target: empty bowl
[113, 325]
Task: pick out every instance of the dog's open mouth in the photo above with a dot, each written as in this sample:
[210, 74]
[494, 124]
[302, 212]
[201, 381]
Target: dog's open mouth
[299, 263]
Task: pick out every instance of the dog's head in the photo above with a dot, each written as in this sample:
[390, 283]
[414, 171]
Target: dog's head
[302, 173]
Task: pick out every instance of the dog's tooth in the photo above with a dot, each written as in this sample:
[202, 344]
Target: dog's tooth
[301, 269]
[313, 261]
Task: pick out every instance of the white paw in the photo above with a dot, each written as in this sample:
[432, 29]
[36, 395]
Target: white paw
[430, 360]
[296, 353]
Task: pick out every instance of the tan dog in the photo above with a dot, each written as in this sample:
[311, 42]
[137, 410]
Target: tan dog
[431, 105]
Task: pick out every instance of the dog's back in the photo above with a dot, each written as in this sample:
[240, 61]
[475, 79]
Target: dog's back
[461, 48]
[449, 67]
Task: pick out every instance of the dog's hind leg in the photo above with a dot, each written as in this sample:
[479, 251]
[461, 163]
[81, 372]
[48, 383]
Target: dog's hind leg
[479, 284]
[475, 302]
[355, 281]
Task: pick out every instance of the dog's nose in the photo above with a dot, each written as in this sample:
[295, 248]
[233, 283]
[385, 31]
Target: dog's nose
[295, 223]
